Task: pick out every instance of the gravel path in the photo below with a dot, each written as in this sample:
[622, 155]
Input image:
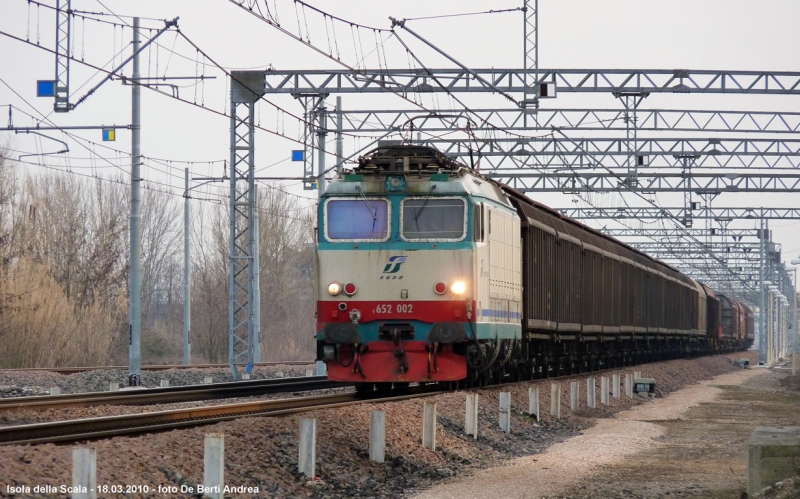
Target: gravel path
[262, 452]
[703, 454]
[568, 463]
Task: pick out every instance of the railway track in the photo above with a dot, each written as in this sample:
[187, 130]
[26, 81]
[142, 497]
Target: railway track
[130, 424]
[155, 367]
[171, 394]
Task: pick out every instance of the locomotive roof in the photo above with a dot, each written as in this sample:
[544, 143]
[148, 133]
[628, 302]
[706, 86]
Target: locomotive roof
[407, 158]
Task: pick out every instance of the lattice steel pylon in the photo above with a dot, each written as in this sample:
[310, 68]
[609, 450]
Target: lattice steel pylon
[312, 110]
[530, 49]
[244, 345]
[63, 26]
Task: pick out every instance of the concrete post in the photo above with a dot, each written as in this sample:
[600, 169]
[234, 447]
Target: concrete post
[135, 249]
[377, 436]
[591, 396]
[505, 411]
[308, 447]
[214, 464]
[187, 289]
[279, 374]
[254, 335]
[321, 368]
[555, 400]
[245, 376]
[794, 325]
[84, 472]
[208, 380]
[574, 395]
[629, 385]
[615, 386]
[770, 330]
[471, 424]
[55, 390]
[773, 454]
[604, 390]
[164, 383]
[429, 426]
[113, 386]
[762, 308]
[637, 374]
[310, 372]
[533, 402]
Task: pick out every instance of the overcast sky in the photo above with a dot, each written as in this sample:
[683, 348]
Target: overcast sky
[723, 34]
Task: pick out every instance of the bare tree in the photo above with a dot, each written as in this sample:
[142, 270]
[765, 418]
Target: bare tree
[286, 275]
[61, 272]
[8, 300]
[161, 253]
[209, 335]
[76, 228]
[286, 278]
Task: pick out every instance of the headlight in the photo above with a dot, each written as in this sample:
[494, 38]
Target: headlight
[334, 288]
[458, 287]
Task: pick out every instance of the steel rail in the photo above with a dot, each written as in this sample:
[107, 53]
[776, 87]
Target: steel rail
[155, 367]
[93, 428]
[171, 394]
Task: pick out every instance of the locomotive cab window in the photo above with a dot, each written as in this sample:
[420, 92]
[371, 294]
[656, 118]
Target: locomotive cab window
[477, 222]
[437, 219]
[357, 219]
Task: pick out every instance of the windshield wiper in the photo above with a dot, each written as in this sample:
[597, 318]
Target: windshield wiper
[424, 203]
[372, 213]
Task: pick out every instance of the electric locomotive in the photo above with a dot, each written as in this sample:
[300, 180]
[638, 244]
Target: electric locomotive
[430, 272]
[419, 264]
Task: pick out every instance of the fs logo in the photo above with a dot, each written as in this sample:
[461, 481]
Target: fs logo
[394, 264]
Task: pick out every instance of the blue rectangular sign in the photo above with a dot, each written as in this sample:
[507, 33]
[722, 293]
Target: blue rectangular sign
[109, 135]
[45, 88]
[298, 155]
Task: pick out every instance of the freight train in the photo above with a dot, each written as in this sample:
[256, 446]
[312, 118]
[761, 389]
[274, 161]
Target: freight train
[429, 271]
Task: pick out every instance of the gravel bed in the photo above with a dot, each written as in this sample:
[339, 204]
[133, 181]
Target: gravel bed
[28, 383]
[787, 489]
[262, 452]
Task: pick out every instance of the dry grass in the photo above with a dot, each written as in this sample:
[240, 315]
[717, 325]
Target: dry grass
[40, 327]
